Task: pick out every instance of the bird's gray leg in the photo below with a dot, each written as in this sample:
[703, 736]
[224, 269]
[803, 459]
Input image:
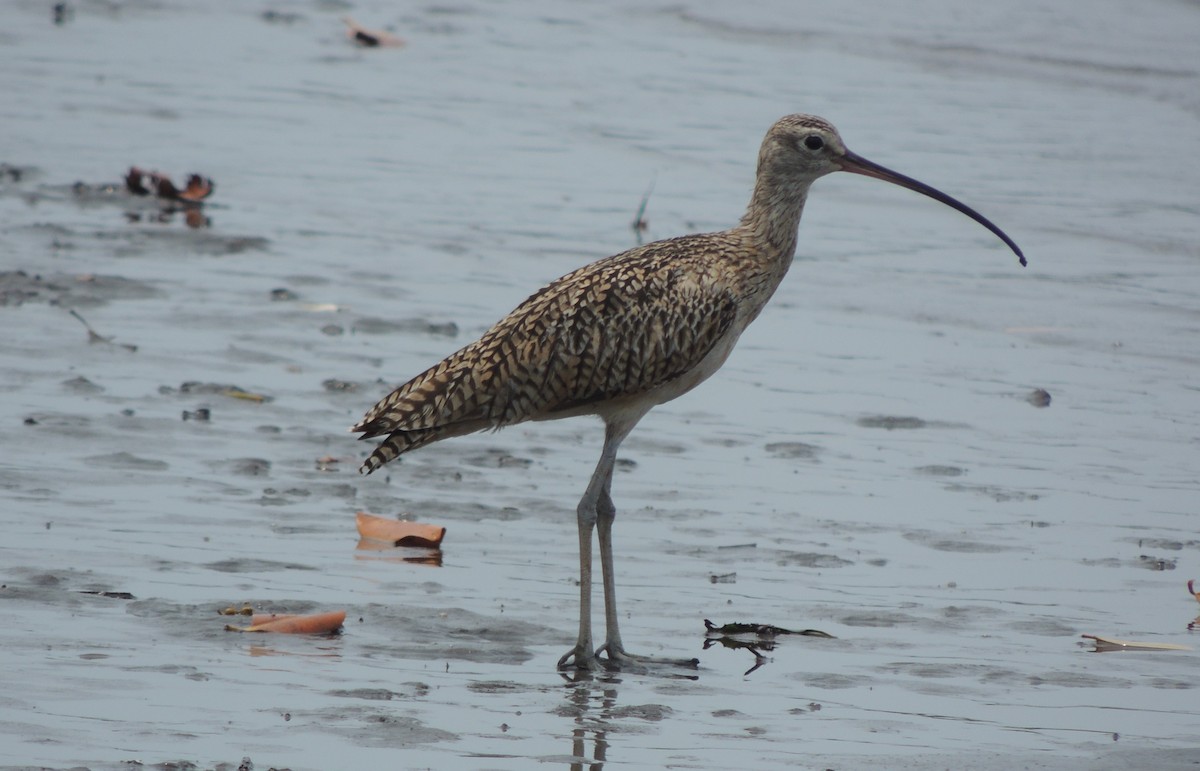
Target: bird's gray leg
[582, 655]
[606, 512]
[613, 649]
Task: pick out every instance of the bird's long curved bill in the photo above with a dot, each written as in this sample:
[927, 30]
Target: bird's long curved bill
[856, 164]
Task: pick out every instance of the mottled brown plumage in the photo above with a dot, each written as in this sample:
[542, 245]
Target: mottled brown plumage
[612, 330]
[623, 334]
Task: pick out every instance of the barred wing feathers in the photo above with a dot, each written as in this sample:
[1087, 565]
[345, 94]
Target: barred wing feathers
[620, 327]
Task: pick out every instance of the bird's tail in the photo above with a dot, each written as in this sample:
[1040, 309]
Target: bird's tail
[434, 405]
[396, 444]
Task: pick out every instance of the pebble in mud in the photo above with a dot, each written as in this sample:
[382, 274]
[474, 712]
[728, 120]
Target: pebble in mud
[497, 458]
[413, 690]
[940, 471]
[891, 422]
[951, 543]
[81, 385]
[250, 467]
[127, 461]
[1039, 397]
[797, 450]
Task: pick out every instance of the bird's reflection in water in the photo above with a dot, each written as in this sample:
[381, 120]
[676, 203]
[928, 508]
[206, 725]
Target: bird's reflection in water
[590, 703]
[755, 647]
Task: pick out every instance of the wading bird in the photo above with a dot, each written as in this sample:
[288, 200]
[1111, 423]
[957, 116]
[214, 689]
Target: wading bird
[626, 333]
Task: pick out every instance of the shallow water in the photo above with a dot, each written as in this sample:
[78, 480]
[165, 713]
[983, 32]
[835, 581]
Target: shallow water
[868, 463]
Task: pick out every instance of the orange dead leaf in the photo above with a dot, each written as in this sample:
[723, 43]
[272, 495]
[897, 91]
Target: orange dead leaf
[258, 619]
[198, 188]
[317, 623]
[398, 532]
[370, 38]
[386, 550]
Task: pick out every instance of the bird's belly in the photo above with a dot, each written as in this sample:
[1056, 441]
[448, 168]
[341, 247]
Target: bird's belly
[639, 403]
[698, 374]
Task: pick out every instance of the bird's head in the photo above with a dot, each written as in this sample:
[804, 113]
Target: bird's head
[799, 149]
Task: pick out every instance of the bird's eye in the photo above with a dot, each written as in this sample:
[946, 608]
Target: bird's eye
[814, 142]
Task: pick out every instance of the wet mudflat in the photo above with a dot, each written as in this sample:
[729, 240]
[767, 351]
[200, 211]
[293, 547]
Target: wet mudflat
[875, 461]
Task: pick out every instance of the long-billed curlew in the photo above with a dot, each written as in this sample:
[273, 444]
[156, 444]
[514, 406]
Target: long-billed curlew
[626, 333]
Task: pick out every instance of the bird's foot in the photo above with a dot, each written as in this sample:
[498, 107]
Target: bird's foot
[580, 658]
[616, 657]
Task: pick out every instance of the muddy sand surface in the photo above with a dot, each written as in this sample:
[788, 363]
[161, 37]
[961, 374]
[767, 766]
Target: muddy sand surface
[954, 466]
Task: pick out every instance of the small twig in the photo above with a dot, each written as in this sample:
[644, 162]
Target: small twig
[639, 223]
[94, 336]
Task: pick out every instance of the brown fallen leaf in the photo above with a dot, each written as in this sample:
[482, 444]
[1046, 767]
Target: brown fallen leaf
[197, 189]
[133, 181]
